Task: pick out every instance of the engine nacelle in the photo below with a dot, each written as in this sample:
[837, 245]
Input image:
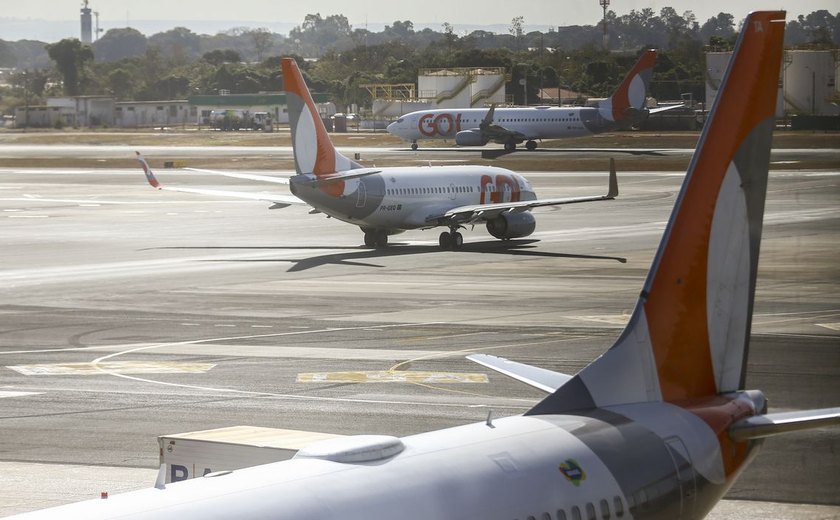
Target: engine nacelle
[471, 137]
[512, 225]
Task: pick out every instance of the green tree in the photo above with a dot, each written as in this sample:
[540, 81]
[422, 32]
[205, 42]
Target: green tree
[262, 40]
[70, 56]
[721, 26]
[118, 44]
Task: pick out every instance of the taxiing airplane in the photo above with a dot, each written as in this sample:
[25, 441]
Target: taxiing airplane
[658, 427]
[511, 126]
[386, 201]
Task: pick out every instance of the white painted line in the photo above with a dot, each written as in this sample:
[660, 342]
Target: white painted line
[262, 326]
[5, 393]
[829, 326]
[224, 325]
[190, 324]
[392, 376]
[607, 319]
[28, 216]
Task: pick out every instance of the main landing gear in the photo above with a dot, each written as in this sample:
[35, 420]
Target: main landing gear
[530, 145]
[451, 240]
[376, 238]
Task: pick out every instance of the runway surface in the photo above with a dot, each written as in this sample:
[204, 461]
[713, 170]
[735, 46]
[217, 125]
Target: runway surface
[127, 313]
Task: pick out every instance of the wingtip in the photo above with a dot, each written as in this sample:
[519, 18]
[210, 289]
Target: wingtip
[147, 170]
[613, 189]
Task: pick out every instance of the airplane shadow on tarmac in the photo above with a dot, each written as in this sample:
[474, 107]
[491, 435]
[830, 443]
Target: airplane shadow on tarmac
[360, 256]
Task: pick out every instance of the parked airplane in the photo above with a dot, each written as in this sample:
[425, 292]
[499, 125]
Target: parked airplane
[511, 126]
[658, 427]
[386, 201]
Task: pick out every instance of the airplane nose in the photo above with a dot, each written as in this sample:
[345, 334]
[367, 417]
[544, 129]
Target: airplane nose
[392, 127]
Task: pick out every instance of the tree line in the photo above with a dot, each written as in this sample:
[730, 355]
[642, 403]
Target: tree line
[178, 63]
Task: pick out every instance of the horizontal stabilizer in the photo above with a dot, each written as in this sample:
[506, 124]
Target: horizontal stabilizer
[784, 422]
[247, 176]
[664, 108]
[546, 380]
[323, 180]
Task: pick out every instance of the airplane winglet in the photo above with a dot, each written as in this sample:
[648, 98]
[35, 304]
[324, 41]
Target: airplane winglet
[488, 119]
[160, 481]
[612, 192]
[148, 171]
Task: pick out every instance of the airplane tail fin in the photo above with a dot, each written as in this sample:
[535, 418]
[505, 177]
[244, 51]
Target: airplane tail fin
[629, 98]
[313, 150]
[689, 333]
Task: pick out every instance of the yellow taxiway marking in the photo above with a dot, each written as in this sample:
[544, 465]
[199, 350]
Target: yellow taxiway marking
[389, 376]
[112, 367]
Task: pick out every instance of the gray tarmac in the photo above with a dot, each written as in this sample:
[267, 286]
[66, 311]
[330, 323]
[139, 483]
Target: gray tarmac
[127, 313]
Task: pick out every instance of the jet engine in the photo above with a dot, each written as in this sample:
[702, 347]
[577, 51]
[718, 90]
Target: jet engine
[512, 225]
[471, 137]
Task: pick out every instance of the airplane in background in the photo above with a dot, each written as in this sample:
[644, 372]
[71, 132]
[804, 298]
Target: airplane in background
[386, 201]
[658, 427]
[511, 126]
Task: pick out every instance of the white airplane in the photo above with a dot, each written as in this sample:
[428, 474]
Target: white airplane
[658, 427]
[386, 201]
[511, 126]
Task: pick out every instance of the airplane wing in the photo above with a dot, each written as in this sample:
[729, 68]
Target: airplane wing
[770, 424]
[546, 380]
[498, 133]
[482, 212]
[279, 201]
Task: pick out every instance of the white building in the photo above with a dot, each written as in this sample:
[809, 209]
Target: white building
[135, 114]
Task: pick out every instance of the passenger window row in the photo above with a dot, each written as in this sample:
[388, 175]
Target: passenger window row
[575, 513]
[425, 191]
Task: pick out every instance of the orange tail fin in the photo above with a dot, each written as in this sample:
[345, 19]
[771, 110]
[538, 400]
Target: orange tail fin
[689, 333]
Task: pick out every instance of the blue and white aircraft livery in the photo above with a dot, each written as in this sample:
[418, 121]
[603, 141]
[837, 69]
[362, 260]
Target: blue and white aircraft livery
[387, 201]
[658, 427]
[511, 126]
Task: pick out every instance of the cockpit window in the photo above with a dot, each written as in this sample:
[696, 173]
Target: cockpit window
[400, 120]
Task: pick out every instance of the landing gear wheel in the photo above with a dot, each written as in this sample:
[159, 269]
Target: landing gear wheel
[531, 145]
[370, 239]
[510, 147]
[457, 240]
[445, 240]
[381, 239]
[414, 146]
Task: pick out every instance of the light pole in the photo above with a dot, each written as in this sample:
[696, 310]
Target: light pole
[604, 5]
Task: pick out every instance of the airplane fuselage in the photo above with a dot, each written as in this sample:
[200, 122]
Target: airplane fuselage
[651, 461]
[403, 198]
[531, 123]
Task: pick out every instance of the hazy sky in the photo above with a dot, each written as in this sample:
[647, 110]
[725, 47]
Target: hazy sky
[115, 13]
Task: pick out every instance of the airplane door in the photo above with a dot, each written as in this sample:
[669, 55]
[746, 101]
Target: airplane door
[361, 193]
[685, 474]
[452, 191]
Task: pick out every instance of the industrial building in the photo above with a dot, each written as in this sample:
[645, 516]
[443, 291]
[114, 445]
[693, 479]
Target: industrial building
[807, 82]
[442, 88]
